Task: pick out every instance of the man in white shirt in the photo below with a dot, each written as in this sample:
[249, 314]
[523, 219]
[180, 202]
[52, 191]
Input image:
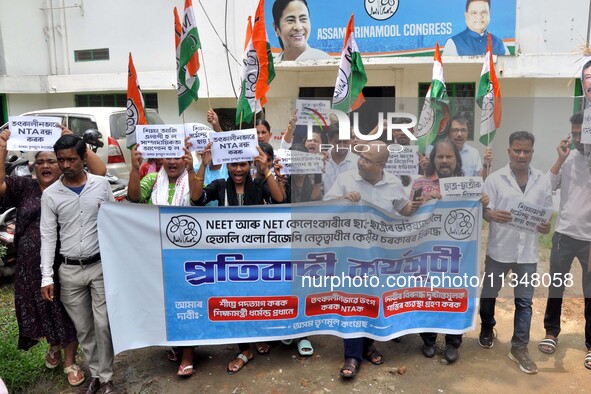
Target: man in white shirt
[513, 250]
[370, 183]
[340, 159]
[572, 234]
[72, 203]
[471, 162]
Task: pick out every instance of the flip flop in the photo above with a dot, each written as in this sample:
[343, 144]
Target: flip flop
[173, 354]
[53, 356]
[548, 345]
[287, 342]
[261, 346]
[351, 364]
[185, 371]
[373, 356]
[305, 348]
[243, 358]
[587, 362]
[77, 371]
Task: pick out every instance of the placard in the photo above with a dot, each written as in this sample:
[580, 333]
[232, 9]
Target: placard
[525, 216]
[405, 162]
[160, 141]
[586, 127]
[299, 163]
[33, 133]
[461, 187]
[317, 110]
[234, 146]
[198, 134]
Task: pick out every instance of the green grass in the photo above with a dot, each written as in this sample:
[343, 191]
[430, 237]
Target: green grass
[18, 369]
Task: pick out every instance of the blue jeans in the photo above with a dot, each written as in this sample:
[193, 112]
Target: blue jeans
[524, 291]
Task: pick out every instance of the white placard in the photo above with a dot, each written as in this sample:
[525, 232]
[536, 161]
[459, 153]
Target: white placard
[33, 133]
[405, 162]
[461, 187]
[525, 216]
[161, 141]
[299, 163]
[586, 127]
[234, 146]
[198, 134]
[306, 110]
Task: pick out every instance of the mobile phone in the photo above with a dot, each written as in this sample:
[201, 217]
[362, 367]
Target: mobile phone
[417, 194]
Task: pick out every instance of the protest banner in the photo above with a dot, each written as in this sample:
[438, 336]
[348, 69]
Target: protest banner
[525, 216]
[461, 187]
[299, 163]
[198, 134]
[220, 275]
[405, 162]
[33, 133]
[234, 146]
[160, 141]
[317, 110]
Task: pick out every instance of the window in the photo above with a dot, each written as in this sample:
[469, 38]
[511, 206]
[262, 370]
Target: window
[80, 125]
[112, 100]
[461, 101]
[90, 55]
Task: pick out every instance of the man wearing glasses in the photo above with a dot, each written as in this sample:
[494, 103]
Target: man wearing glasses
[473, 40]
[572, 234]
[471, 162]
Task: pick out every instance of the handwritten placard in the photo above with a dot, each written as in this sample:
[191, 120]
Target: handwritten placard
[234, 146]
[461, 187]
[299, 163]
[586, 127]
[405, 162]
[198, 134]
[33, 133]
[161, 141]
[525, 216]
[310, 109]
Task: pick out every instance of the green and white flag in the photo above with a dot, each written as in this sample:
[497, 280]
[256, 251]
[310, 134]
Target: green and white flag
[250, 70]
[187, 46]
[435, 112]
[351, 79]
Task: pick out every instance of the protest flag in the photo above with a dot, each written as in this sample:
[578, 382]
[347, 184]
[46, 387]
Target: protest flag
[351, 78]
[183, 94]
[247, 103]
[136, 115]
[188, 55]
[435, 112]
[488, 98]
[266, 69]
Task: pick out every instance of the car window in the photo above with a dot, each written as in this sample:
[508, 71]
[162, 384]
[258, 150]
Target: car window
[80, 125]
[118, 123]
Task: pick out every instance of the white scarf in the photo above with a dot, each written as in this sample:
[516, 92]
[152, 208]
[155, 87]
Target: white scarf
[181, 190]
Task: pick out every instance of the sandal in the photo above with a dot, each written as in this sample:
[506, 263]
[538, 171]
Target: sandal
[53, 356]
[373, 356]
[75, 369]
[173, 354]
[287, 342]
[351, 365]
[242, 360]
[548, 345]
[262, 348]
[588, 360]
[305, 347]
[185, 371]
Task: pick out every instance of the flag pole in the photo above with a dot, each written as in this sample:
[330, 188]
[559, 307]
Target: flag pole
[205, 73]
[240, 126]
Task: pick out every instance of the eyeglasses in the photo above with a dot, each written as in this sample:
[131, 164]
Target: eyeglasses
[482, 14]
[50, 162]
[368, 161]
[458, 130]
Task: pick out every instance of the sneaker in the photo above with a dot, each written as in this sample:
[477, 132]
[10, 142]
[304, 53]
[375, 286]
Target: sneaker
[521, 357]
[486, 339]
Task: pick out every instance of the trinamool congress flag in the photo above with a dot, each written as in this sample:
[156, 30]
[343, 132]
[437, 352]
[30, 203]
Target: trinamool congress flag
[351, 78]
[263, 52]
[183, 94]
[247, 103]
[488, 98]
[136, 115]
[188, 58]
[435, 112]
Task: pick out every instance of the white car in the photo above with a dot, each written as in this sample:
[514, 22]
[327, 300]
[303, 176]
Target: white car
[111, 122]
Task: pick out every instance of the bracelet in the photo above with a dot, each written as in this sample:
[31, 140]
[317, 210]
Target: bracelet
[199, 179]
[268, 175]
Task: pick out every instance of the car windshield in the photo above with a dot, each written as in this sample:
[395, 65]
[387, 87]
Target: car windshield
[118, 121]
